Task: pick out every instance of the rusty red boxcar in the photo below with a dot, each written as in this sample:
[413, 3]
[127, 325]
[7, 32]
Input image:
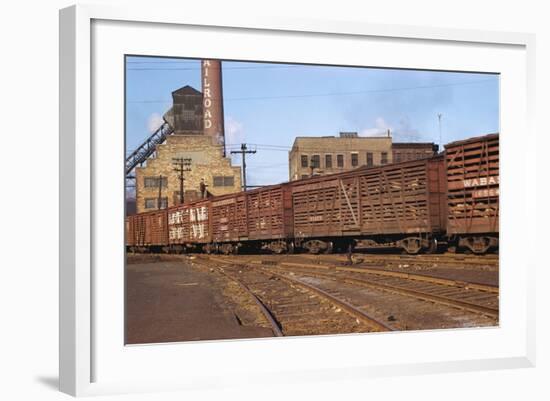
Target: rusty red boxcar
[147, 229]
[259, 217]
[189, 225]
[447, 200]
[473, 192]
[394, 206]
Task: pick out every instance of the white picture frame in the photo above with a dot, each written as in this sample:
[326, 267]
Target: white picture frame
[90, 263]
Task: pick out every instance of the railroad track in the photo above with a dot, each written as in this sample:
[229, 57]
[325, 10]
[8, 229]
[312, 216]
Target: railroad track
[294, 307]
[387, 273]
[399, 261]
[469, 297]
[458, 295]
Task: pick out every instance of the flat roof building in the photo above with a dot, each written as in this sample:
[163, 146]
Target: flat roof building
[404, 151]
[332, 154]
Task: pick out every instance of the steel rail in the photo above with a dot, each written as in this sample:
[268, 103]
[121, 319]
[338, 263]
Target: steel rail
[408, 276]
[275, 327]
[423, 258]
[354, 311]
[464, 305]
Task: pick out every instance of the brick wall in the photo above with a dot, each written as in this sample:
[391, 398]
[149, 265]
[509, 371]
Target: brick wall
[207, 162]
[334, 146]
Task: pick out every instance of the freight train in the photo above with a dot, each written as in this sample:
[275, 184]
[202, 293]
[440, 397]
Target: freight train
[446, 202]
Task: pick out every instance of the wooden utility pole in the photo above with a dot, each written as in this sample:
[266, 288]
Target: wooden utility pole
[160, 193]
[181, 166]
[243, 152]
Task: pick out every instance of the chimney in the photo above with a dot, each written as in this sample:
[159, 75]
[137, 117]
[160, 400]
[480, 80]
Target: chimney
[212, 93]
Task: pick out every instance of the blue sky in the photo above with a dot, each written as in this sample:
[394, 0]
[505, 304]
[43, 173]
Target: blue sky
[268, 105]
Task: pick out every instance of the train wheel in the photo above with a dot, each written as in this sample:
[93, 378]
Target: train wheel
[330, 247]
[432, 248]
[210, 248]
[317, 246]
[290, 248]
[411, 245]
[477, 245]
[226, 249]
[278, 247]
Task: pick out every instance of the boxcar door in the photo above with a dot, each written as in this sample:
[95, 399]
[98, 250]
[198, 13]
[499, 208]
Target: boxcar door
[349, 204]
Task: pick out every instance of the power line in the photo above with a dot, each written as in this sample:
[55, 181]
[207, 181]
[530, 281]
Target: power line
[164, 62]
[181, 166]
[224, 68]
[243, 153]
[298, 96]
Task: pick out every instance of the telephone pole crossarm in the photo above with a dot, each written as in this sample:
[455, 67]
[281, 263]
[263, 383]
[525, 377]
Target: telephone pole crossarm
[181, 166]
[244, 150]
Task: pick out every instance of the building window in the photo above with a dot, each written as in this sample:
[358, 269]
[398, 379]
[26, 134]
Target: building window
[229, 181]
[153, 182]
[220, 181]
[328, 161]
[315, 161]
[304, 176]
[151, 203]
[304, 161]
[397, 156]
[370, 162]
[340, 161]
[354, 160]
[384, 158]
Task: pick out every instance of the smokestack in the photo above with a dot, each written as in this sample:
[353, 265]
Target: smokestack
[212, 93]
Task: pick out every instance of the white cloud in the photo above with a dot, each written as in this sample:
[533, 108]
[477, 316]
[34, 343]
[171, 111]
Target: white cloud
[154, 122]
[234, 131]
[403, 131]
[380, 128]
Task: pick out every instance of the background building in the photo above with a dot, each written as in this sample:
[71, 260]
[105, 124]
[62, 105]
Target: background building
[185, 115]
[331, 154]
[197, 136]
[403, 151]
[207, 162]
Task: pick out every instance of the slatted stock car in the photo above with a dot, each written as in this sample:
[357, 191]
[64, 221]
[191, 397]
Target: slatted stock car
[449, 201]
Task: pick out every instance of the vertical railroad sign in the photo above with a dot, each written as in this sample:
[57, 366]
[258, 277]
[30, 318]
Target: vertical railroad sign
[213, 101]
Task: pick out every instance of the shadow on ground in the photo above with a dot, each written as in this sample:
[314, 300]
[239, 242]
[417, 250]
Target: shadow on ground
[52, 382]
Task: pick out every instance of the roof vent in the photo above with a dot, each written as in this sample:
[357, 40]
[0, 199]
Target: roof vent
[348, 135]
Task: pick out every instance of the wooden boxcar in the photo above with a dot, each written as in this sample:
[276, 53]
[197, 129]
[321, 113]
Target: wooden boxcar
[189, 225]
[147, 229]
[130, 231]
[261, 217]
[473, 192]
[452, 198]
[398, 205]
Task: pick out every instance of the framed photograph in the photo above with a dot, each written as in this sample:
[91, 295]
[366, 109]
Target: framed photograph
[339, 199]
